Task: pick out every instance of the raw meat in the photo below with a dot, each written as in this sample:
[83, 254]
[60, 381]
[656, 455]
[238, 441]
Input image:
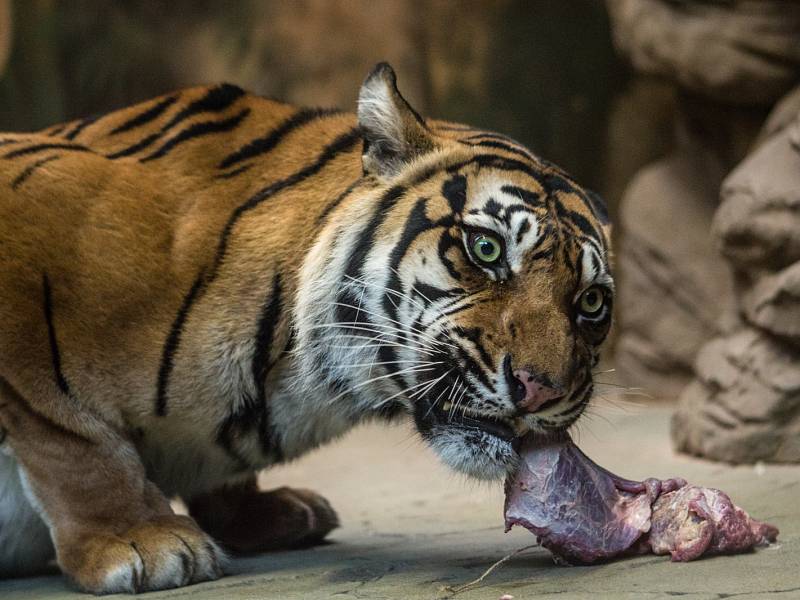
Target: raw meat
[583, 513]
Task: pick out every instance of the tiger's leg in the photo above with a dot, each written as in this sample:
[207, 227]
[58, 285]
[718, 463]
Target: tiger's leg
[113, 530]
[246, 520]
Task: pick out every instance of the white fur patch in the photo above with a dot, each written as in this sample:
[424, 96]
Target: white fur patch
[25, 544]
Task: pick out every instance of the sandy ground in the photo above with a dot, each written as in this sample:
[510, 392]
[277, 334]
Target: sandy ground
[410, 527]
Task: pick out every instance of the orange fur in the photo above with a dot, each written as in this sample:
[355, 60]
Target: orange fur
[143, 255]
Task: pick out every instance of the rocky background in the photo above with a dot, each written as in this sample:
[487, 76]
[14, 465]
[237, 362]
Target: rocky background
[709, 261]
[683, 114]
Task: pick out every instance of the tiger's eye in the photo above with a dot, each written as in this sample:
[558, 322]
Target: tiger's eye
[486, 248]
[591, 301]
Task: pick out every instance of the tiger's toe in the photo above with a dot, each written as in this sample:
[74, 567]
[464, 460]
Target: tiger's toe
[164, 553]
[320, 516]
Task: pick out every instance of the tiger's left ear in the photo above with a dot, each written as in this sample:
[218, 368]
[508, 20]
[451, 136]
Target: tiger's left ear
[394, 134]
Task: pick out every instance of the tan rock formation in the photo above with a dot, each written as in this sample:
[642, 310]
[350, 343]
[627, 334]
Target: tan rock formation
[745, 403]
[674, 287]
[722, 281]
[736, 52]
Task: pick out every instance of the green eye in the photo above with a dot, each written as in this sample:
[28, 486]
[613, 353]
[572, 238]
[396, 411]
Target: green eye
[486, 248]
[591, 301]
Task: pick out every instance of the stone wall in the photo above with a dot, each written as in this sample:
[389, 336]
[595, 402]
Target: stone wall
[744, 404]
[700, 303]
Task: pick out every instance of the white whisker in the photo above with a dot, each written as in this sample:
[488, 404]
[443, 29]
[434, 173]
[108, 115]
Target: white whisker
[415, 369]
[435, 402]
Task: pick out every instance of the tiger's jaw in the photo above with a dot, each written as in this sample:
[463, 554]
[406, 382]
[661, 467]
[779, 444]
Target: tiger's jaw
[483, 445]
[478, 446]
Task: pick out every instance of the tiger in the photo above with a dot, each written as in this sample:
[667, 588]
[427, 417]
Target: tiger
[210, 283]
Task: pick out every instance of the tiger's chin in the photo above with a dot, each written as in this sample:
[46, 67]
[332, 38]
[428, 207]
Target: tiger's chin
[474, 452]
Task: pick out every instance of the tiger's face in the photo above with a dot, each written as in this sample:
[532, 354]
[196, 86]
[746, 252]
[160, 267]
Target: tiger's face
[467, 284]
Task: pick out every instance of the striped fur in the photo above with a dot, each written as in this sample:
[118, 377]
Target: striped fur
[211, 282]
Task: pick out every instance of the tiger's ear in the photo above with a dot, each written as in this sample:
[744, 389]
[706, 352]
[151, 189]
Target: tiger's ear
[394, 133]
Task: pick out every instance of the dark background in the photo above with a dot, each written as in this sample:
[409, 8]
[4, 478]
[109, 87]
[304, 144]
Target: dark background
[543, 72]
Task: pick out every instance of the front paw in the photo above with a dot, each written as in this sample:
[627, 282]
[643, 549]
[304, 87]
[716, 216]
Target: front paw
[246, 520]
[308, 514]
[166, 552]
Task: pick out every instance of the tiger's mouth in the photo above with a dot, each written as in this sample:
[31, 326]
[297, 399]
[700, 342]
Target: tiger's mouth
[504, 428]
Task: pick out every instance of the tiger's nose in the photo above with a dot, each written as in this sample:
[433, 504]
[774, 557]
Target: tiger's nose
[531, 393]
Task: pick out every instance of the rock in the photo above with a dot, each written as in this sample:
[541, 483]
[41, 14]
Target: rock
[673, 285]
[742, 52]
[744, 405]
[758, 225]
[759, 217]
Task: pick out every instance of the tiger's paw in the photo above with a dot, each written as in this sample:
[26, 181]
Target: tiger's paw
[246, 520]
[308, 514]
[166, 552]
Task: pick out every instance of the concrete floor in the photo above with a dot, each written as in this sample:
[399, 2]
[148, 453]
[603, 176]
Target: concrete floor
[411, 527]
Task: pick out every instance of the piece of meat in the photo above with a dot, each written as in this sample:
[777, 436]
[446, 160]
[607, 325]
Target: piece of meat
[693, 521]
[583, 513]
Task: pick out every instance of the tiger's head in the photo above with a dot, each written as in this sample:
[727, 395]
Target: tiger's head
[462, 280]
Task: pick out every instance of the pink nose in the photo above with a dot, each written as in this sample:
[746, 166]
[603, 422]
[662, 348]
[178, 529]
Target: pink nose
[536, 394]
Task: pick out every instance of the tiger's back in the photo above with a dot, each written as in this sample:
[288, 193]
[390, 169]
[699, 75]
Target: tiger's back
[119, 218]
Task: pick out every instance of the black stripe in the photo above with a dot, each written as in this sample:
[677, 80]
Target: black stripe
[473, 334]
[253, 411]
[134, 148]
[455, 192]
[416, 223]
[82, 124]
[527, 196]
[355, 262]
[505, 148]
[490, 135]
[41, 147]
[524, 227]
[261, 365]
[552, 181]
[577, 219]
[55, 355]
[367, 237]
[216, 99]
[171, 345]
[268, 142]
[470, 365]
[197, 130]
[54, 131]
[146, 116]
[234, 173]
[20, 179]
[343, 143]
